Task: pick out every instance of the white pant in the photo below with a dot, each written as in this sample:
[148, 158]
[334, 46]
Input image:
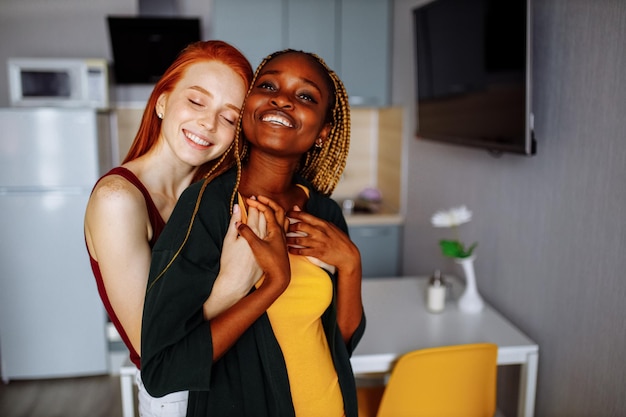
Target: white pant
[170, 405]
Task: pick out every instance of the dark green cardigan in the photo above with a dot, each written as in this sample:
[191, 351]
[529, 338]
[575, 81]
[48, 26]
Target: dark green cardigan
[176, 345]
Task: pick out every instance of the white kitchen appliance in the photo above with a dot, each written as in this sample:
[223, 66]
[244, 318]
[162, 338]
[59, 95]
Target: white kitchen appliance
[58, 82]
[52, 322]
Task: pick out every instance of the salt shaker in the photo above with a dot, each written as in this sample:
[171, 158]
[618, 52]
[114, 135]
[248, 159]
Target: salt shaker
[436, 296]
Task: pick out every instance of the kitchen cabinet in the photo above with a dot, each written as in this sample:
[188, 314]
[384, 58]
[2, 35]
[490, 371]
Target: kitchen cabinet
[352, 36]
[254, 27]
[365, 45]
[379, 245]
[311, 27]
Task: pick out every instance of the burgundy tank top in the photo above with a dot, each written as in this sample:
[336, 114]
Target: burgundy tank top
[157, 223]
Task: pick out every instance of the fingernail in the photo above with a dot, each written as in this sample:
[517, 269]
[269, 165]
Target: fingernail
[236, 208]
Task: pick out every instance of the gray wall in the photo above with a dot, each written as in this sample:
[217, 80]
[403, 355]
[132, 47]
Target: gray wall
[551, 228]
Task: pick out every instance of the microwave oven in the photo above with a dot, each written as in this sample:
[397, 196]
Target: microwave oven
[58, 82]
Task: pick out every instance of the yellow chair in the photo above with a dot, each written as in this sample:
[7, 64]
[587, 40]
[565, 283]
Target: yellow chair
[449, 381]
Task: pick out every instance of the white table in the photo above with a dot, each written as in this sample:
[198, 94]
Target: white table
[398, 322]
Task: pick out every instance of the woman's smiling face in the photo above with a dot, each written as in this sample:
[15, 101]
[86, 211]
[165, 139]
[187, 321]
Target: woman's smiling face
[200, 114]
[286, 109]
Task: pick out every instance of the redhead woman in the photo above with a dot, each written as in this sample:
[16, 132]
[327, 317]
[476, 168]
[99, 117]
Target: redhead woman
[189, 122]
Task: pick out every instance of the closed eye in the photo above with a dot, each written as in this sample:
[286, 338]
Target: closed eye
[229, 116]
[229, 120]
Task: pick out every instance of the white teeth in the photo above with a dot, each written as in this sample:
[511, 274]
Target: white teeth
[277, 119]
[196, 139]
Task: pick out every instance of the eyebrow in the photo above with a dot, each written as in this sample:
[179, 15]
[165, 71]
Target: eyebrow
[305, 80]
[208, 93]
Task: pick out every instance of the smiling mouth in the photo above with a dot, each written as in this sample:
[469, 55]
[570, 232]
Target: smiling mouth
[276, 119]
[195, 139]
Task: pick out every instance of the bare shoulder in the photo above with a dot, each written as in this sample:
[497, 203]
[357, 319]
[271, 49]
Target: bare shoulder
[113, 190]
[116, 218]
[114, 196]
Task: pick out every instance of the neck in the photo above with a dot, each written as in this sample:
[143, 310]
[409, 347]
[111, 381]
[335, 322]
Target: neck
[272, 178]
[161, 175]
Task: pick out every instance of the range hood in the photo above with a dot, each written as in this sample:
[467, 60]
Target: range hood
[144, 46]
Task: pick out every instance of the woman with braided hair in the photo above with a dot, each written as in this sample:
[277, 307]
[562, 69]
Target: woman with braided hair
[284, 349]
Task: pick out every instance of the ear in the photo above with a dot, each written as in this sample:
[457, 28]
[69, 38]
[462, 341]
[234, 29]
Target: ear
[325, 132]
[160, 104]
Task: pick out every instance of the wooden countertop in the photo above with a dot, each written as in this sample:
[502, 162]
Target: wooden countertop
[374, 219]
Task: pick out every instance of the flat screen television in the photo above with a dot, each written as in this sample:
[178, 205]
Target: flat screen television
[473, 69]
[144, 47]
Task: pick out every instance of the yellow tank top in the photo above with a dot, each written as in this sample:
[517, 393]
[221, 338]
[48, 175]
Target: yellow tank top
[296, 320]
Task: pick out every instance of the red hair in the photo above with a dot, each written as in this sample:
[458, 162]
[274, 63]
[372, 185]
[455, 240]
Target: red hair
[212, 50]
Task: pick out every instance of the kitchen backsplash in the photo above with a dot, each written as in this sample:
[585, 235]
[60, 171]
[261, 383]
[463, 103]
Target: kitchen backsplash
[374, 160]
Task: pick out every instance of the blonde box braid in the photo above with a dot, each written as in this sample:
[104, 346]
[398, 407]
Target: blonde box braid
[321, 166]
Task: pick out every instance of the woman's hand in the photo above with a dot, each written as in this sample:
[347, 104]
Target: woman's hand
[270, 248]
[239, 270]
[314, 237]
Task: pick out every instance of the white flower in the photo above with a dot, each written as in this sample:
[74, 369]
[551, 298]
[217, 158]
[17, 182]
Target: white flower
[452, 217]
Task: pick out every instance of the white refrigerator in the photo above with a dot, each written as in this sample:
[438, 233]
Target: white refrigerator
[52, 322]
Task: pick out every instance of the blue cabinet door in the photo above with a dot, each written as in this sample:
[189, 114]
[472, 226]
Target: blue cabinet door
[352, 36]
[312, 27]
[254, 27]
[365, 45]
[380, 249]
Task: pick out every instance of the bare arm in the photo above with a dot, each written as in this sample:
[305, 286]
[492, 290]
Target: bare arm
[117, 230]
[178, 341]
[239, 270]
[271, 254]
